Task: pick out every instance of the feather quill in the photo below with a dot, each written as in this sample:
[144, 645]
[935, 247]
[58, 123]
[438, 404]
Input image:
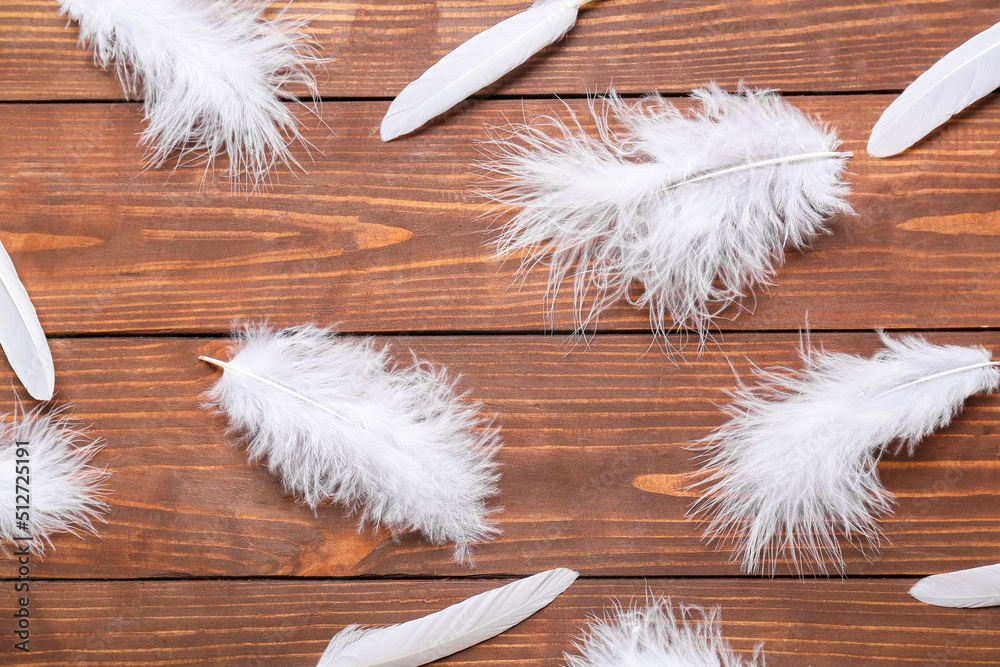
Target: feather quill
[213, 75]
[448, 631]
[65, 492]
[655, 636]
[957, 80]
[478, 63]
[796, 463]
[975, 587]
[337, 420]
[697, 208]
[21, 334]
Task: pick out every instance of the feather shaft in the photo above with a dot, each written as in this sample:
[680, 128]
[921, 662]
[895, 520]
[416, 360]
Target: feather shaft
[942, 374]
[271, 383]
[21, 334]
[447, 631]
[477, 63]
[787, 159]
[961, 77]
[967, 589]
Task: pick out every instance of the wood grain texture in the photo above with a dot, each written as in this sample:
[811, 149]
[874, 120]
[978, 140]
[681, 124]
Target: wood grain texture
[584, 432]
[205, 560]
[265, 623]
[640, 45]
[384, 238]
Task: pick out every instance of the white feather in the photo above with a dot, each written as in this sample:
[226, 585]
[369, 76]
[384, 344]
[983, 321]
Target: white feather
[796, 464]
[212, 74]
[448, 631]
[695, 207]
[64, 493]
[478, 63]
[975, 587]
[655, 636]
[951, 84]
[336, 419]
[21, 334]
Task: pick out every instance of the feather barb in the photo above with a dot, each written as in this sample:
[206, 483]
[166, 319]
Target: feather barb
[447, 631]
[477, 63]
[338, 420]
[971, 588]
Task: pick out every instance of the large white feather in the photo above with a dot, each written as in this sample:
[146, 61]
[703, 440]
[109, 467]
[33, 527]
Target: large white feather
[975, 587]
[696, 207]
[450, 630]
[796, 464]
[951, 84]
[21, 334]
[337, 419]
[654, 636]
[478, 63]
[64, 493]
[212, 75]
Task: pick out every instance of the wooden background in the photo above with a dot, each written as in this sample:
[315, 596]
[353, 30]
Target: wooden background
[203, 560]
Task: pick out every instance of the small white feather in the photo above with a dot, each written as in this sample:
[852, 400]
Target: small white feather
[697, 208]
[337, 420]
[796, 465]
[478, 63]
[655, 636]
[63, 493]
[21, 334]
[212, 75]
[448, 631]
[957, 80]
[975, 587]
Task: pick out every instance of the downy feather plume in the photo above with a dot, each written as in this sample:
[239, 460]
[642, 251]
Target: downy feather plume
[957, 80]
[795, 466]
[337, 420]
[212, 73]
[447, 631]
[655, 636]
[21, 334]
[48, 455]
[975, 587]
[695, 207]
[477, 63]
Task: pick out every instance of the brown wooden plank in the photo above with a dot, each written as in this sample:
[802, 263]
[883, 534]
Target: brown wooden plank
[826, 623]
[384, 237]
[593, 466]
[640, 45]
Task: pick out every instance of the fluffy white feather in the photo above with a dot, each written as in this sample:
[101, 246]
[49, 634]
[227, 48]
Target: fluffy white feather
[957, 80]
[975, 587]
[478, 63]
[654, 636]
[64, 493]
[448, 631]
[796, 463]
[212, 74]
[695, 207]
[21, 334]
[336, 419]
